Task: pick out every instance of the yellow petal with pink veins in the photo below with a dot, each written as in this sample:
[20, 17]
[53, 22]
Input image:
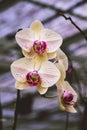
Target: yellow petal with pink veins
[20, 68]
[37, 27]
[49, 74]
[70, 109]
[29, 55]
[61, 68]
[52, 55]
[39, 59]
[25, 39]
[22, 86]
[60, 103]
[41, 90]
[63, 58]
[53, 40]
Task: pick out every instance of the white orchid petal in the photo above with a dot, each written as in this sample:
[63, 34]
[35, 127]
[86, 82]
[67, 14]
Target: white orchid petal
[49, 74]
[36, 26]
[20, 68]
[42, 90]
[61, 68]
[21, 86]
[62, 107]
[54, 40]
[71, 109]
[25, 39]
[29, 55]
[52, 55]
[63, 58]
[39, 59]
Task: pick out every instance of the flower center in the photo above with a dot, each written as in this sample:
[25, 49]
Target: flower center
[39, 46]
[68, 98]
[33, 78]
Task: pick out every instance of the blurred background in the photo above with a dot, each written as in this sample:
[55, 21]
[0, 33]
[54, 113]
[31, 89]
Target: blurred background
[36, 112]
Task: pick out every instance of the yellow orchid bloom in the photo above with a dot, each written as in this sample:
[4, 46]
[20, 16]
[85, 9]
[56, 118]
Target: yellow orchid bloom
[28, 74]
[67, 97]
[38, 41]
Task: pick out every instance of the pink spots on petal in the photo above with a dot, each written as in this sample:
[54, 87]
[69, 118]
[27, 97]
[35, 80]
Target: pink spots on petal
[39, 47]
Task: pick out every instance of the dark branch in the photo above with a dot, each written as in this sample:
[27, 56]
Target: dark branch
[60, 13]
[70, 19]
[16, 110]
[77, 5]
[67, 121]
[0, 115]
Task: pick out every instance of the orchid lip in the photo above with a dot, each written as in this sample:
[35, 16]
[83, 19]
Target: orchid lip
[33, 78]
[39, 46]
[67, 98]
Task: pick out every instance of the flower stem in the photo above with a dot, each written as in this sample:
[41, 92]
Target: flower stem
[16, 110]
[1, 126]
[47, 96]
[67, 121]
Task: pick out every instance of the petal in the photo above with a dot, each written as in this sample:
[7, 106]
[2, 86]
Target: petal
[42, 90]
[49, 74]
[52, 55]
[37, 27]
[21, 86]
[39, 59]
[61, 56]
[29, 55]
[20, 68]
[59, 89]
[54, 40]
[25, 39]
[60, 103]
[61, 68]
[71, 109]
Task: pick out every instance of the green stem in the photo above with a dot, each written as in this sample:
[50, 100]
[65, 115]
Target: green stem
[16, 110]
[47, 96]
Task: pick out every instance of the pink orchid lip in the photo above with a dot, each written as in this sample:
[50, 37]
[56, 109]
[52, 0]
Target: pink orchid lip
[67, 98]
[39, 46]
[33, 78]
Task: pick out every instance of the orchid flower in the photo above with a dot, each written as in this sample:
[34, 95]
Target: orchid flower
[67, 97]
[38, 42]
[29, 74]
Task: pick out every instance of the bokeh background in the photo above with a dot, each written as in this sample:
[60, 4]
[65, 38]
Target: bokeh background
[36, 112]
